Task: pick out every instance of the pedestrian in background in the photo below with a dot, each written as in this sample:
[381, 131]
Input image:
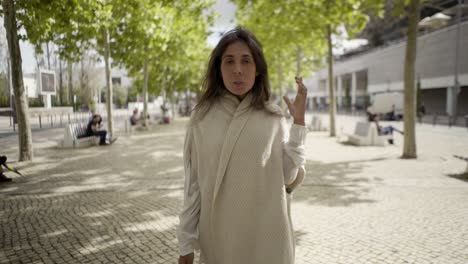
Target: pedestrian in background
[94, 129]
[241, 164]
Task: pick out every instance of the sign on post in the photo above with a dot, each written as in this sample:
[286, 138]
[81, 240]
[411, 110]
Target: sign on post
[47, 82]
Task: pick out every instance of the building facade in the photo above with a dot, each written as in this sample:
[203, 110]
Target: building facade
[359, 77]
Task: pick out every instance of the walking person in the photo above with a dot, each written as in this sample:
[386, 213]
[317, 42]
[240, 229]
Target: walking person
[241, 162]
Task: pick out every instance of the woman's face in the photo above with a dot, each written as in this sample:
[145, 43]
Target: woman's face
[238, 69]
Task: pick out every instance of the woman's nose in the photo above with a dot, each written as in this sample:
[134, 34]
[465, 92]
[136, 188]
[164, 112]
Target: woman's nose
[237, 69]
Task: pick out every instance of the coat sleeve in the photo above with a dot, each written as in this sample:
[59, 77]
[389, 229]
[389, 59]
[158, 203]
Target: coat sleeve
[293, 154]
[187, 232]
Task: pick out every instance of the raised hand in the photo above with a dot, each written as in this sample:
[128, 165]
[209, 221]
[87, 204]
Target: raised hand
[297, 108]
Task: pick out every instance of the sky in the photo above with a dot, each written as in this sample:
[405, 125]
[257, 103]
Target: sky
[225, 22]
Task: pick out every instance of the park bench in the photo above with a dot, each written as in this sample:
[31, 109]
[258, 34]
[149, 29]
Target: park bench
[75, 137]
[464, 159]
[366, 134]
[362, 134]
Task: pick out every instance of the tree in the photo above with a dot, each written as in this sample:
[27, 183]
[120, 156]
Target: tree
[152, 35]
[42, 20]
[352, 15]
[313, 23]
[409, 115]
[21, 101]
[289, 48]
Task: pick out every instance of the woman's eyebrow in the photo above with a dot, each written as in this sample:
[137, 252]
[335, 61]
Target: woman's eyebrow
[232, 56]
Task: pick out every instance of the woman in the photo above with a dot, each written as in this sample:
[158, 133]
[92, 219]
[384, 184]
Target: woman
[239, 163]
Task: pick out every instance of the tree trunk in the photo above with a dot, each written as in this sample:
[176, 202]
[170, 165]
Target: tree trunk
[48, 56]
[332, 106]
[62, 91]
[172, 101]
[409, 145]
[10, 95]
[110, 123]
[280, 82]
[82, 82]
[70, 83]
[299, 59]
[145, 93]
[21, 100]
[188, 100]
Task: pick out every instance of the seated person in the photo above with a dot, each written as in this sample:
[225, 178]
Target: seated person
[93, 129]
[386, 130]
[3, 177]
[165, 115]
[135, 117]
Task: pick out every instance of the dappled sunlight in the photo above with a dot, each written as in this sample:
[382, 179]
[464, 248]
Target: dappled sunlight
[99, 244]
[175, 194]
[104, 178]
[55, 233]
[334, 184]
[9, 189]
[132, 173]
[40, 166]
[135, 194]
[157, 135]
[164, 224]
[100, 200]
[91, 187]
[141, 151]
[45, 196]
[60, 175]
[45, 144]
[73, 157]
[172, 170]
[328, 150]
[124, 205]
[99, 214]
[164, 155]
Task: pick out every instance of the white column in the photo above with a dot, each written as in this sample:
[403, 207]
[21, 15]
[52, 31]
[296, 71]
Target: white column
[47, 101]
[452, 93]
[353, 90]
[339, 94]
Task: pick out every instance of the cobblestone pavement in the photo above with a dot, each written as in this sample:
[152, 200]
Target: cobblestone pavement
[119, 203]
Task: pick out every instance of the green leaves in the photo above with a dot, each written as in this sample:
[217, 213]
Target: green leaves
[282, 26]
[172, 34]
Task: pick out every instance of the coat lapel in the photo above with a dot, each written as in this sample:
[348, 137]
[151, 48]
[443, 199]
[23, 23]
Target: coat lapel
[240, 117]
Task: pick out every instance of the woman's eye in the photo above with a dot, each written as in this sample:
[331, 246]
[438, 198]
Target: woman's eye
[247, 61]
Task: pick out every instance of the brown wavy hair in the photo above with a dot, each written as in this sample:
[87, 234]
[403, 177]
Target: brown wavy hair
[213, 85]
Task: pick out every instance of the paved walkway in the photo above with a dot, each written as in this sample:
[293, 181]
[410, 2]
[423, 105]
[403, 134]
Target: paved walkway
[119, 203]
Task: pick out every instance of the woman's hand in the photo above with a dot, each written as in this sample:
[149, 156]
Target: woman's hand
[297, 108]
[187, 259]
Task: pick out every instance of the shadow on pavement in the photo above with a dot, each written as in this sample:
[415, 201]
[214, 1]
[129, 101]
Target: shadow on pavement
[460, 176]
[335, 184]
[112, 204]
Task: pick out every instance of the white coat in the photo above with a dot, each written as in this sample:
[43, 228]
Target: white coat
[237, 163]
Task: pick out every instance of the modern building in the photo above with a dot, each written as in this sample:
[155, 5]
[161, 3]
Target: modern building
[358, 77]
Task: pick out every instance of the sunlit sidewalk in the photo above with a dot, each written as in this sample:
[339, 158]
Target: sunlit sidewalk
[119, 203]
